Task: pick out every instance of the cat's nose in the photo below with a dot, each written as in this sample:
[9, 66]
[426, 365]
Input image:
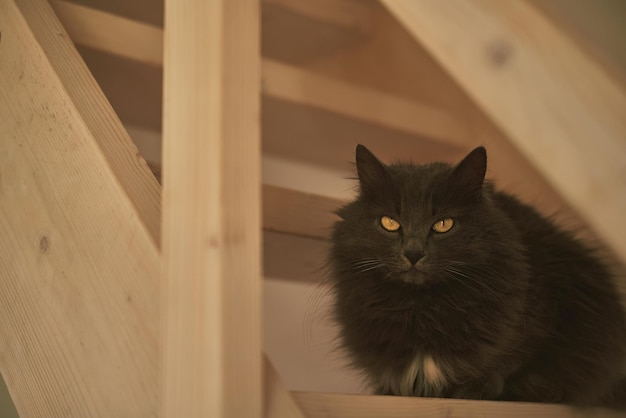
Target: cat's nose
[413, 255]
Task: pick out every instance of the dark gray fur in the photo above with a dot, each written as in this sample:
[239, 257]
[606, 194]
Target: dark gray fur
[508, 305]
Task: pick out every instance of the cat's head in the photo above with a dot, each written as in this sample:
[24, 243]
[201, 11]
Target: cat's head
[421, 224]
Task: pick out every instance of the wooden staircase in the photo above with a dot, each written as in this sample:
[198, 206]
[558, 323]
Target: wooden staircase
[124, 299]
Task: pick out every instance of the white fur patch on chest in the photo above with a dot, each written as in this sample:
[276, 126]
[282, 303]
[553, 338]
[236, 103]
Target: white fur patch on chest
[433, 373]
[422, 377]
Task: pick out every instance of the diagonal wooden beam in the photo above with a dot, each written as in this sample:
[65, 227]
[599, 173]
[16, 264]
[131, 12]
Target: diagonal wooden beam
[554, 103]
[79, 220]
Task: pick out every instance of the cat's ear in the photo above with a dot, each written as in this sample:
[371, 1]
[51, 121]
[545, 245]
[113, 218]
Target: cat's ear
[373, 176]
[469, 175]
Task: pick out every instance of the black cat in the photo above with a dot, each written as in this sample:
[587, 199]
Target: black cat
[446, 287]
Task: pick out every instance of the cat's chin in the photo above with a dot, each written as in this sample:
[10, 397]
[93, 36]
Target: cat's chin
[412, 276]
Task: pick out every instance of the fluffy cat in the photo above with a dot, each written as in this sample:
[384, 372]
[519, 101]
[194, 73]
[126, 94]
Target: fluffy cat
[446, 287]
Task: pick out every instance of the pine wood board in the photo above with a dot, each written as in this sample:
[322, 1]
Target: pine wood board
[211, 341]
[79, 217]
[320, 405]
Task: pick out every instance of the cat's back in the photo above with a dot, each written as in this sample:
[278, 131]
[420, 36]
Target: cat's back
[560, 263]
[573, 303]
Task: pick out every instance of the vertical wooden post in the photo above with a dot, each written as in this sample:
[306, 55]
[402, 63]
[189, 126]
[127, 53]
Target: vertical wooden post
[211, 210]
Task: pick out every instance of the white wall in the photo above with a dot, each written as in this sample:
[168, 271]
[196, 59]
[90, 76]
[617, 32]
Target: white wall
[298, 338]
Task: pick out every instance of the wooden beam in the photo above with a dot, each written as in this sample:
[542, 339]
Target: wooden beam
[293, 212]
[144, 192]
[141, 42]
[346, 13]
[301, 31]
[279, 403]
[322, 405]
[79, 220]
[298, 86]
[597, 26]
[355, 14]
[343, 23]
[121, 36]
[211, 210]
[298, 213]
[554, 103]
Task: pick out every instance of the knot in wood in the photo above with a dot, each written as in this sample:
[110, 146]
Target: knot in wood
[499, 52]
[43, 244]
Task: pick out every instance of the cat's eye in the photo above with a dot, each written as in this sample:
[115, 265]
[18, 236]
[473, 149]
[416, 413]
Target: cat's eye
[443, 225]
[389, 223]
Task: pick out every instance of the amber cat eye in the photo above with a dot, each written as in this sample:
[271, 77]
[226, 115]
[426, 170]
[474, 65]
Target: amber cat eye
[443, 225]
[389, 224]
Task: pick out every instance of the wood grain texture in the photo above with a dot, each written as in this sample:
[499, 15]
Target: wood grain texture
[211, 210]
[321, 405]
[79, 220]
[141, 42]
[294, 85]
[278, 402]
[348, 13]
[554, 103]
[298, 213]
[119, 35]
[129, 167]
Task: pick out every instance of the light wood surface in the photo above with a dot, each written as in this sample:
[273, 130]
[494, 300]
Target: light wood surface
[320, 405]
[298, 213]
[354, 14]
[118, 35]
[81, 86]
[302, 87]
[79, 220]
[211, 210]
[142, 42]
[554, 103]
[278, 402]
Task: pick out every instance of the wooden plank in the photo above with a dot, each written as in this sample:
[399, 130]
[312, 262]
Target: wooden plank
[118, 35]
[560, 109]
[298, 213]
[66, 62]
[347, 13]
[147, 11]
[292, 212]
[141, 42]
[300, 31]
[79, 217]
[294, 85]
[320, 405]
[597, 26]
[279, 403]
[319, 28]
[211, 210]
[354, 14]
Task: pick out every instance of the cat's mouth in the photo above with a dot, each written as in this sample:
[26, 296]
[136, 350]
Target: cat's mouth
[413, 275]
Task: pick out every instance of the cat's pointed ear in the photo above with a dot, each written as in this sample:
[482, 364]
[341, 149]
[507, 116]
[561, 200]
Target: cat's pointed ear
[469, 175]
[373, 175]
